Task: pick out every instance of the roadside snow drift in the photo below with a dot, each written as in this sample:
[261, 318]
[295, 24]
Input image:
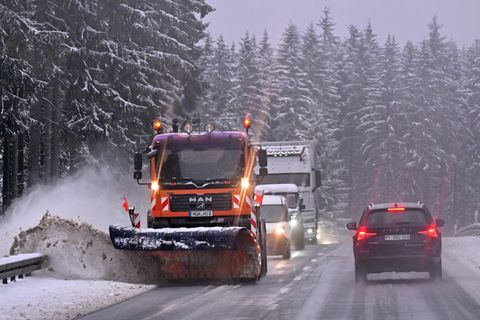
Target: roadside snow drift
[78, 251]
[40, 298]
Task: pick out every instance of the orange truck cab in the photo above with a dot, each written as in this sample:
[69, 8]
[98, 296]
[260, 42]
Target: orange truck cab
[203, 179]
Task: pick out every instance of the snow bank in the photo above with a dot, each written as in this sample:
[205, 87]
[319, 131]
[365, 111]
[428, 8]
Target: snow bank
[93, 196]
[461, 261]
[465, 249]
[75, 239]
[52, 299]
[78, 251]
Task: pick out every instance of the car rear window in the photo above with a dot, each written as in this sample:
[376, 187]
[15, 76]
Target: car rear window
[383, 218]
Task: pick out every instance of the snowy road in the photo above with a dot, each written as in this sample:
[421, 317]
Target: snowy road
[316, 283]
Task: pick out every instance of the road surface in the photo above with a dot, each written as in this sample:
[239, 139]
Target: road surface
[317, 283]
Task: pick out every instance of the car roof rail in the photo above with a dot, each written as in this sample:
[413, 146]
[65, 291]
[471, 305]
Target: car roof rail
[371, 204]
[420, 204]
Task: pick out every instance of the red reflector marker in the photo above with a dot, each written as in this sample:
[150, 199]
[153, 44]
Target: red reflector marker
[396, 209]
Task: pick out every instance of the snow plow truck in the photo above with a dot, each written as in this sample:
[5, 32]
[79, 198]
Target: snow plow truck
[202, 222]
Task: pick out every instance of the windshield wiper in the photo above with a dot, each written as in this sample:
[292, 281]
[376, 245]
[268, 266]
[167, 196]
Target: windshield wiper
[218, 181]
[215, 179]
[176, 180]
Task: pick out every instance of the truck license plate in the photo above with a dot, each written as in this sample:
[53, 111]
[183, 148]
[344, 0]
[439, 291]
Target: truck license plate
[397, 237]
[203, 213]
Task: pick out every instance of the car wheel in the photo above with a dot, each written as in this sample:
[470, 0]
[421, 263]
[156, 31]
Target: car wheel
[436, 272]
[360, 274]
[287, 253]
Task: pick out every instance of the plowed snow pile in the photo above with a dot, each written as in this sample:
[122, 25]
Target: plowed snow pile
[78, 251]
[92, 196]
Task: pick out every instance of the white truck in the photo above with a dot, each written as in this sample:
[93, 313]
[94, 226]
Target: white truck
[294, 162]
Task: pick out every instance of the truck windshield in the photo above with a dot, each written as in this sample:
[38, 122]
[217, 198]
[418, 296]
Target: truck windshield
[300, 179]
[203, 164]
[292, 198]
[273, 213]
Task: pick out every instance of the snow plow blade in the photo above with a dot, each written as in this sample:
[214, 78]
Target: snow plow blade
[215, 253]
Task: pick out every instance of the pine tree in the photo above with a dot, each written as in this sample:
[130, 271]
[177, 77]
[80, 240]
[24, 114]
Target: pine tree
[218, 77]
[310, 63]
[334, 190]
[469, 183]
[291, 118]
[248, 97]
[431, 139]
[268, 88]
[17, 87]
[102, 70]
[350, 89]
[205, 66]
[383, 126]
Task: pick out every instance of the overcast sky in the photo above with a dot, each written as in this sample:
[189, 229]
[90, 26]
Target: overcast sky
[406, 19]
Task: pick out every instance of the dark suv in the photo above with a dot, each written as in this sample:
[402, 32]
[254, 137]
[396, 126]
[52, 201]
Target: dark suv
[397, 237]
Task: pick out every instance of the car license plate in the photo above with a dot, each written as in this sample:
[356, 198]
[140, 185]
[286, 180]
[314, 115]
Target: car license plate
[203, 213]
[396, 237]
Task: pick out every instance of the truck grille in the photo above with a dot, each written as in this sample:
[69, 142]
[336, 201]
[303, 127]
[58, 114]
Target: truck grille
[214, 201]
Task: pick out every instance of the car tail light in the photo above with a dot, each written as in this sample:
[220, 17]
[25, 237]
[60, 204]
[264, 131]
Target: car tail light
[396, 210]
[430, 232]
[363, 234]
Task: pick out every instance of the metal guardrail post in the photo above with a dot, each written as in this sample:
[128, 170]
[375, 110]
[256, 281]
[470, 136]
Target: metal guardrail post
[19, 266]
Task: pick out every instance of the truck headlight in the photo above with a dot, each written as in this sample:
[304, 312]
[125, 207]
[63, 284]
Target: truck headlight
[245, 183]
[309, 230]
[154, 185]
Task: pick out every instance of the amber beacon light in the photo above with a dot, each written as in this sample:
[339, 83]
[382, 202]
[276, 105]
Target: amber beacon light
[247, 122]
[157, 126]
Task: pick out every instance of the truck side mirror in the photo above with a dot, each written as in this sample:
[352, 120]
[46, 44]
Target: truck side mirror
[263, 171]
[137, 166]
[318, 179]
[262, 158]
[301, 206]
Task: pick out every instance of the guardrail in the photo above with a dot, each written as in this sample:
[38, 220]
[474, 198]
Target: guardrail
[471, 230]
[19, 266]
